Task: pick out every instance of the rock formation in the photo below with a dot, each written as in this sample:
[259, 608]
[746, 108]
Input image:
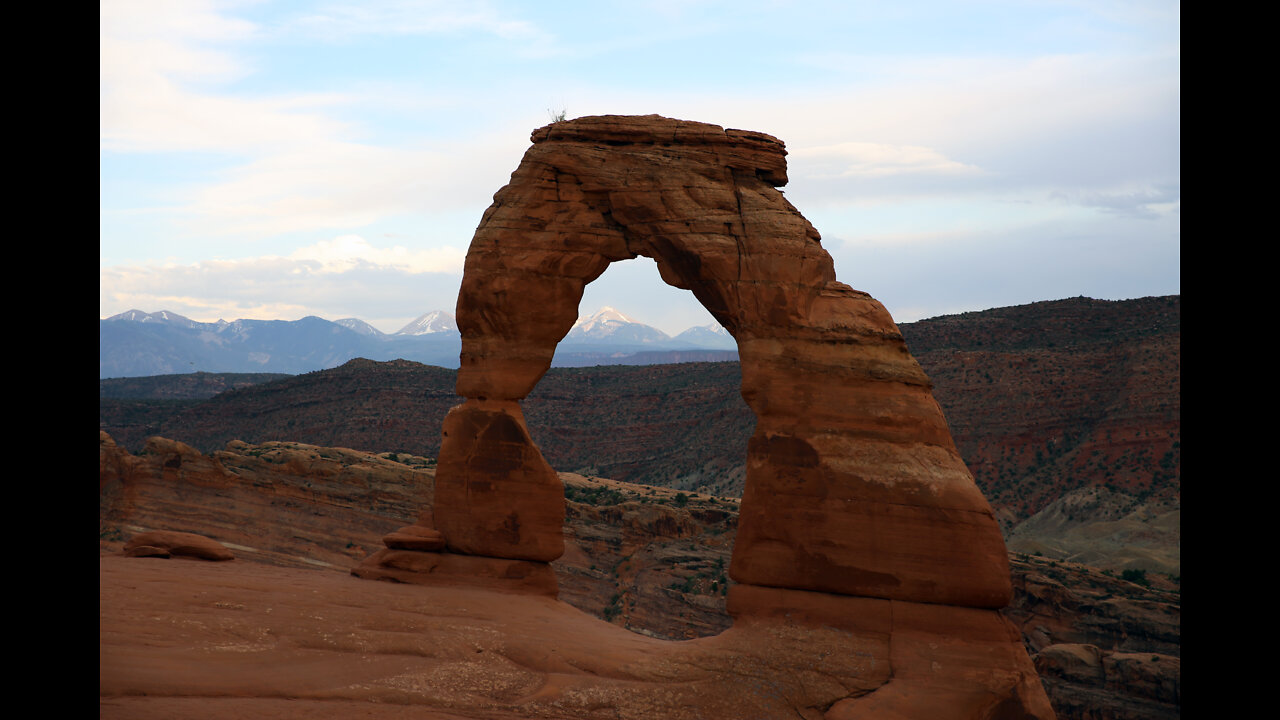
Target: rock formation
[167, 543]
[854, 485]
[858, 512]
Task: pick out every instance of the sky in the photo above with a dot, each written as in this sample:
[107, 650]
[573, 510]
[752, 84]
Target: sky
[274, 160]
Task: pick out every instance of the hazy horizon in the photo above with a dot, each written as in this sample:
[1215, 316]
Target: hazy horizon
[624, 311]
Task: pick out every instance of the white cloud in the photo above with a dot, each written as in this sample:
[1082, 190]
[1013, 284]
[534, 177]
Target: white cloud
[1146, 203]
[152, 53]
[302, 169]
[414, 17]
[350, 252]
[343, 277]
[871, 160]
[348, 185]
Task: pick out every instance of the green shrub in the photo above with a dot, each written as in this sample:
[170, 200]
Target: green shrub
[1136, 576]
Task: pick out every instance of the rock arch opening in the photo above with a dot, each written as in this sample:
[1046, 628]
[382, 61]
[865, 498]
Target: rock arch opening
[853, 487]
[624, 402]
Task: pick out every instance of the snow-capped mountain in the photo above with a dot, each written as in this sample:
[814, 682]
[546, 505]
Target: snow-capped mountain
[436, 321]
[139, 343]
[360, 326]
[708, 336]
[163, 317]
[608, 325]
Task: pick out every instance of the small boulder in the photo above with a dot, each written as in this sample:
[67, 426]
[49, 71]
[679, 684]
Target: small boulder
[146, 551]
[1072, 662]
[164, 543]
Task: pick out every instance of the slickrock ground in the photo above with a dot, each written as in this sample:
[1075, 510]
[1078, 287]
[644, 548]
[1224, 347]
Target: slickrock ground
[200, 641]
[195, 640]
[179, 639]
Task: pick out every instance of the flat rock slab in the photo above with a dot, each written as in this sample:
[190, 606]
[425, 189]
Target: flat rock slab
[447, 569]
[166, 543]
[415, 537]
[257, 641]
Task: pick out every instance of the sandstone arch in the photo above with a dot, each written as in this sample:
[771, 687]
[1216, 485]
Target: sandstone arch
[854, 485]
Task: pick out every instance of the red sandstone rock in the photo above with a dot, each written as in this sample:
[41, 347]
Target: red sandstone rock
[853, 485]
[281, 502]
[495, 495]
[146, 551]
[858, 512]
[430, 568]
[415, 537]
[176, 543]
[247, 640]
[1146, 674]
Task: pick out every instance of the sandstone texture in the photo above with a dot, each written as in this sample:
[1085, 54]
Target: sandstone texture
[288, 504]
[1139, 686]
[495, 494]
[415, 537]
[853, 483]
[248, 640]
[417, 567]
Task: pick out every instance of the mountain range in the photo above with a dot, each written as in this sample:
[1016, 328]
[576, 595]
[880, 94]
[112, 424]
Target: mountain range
[137, 343]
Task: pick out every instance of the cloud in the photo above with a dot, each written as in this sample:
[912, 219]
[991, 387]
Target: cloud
[343, 277]
[293, 165]
[158, 62]
[348, 185]
[875, 160]
[144, 37]
[414, 17]
[349, 252]
[1147, 203]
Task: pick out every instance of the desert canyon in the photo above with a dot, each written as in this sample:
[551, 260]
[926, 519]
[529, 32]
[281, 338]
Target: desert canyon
[869, 572]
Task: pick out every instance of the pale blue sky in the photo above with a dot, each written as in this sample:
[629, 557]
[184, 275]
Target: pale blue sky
[281, 159]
